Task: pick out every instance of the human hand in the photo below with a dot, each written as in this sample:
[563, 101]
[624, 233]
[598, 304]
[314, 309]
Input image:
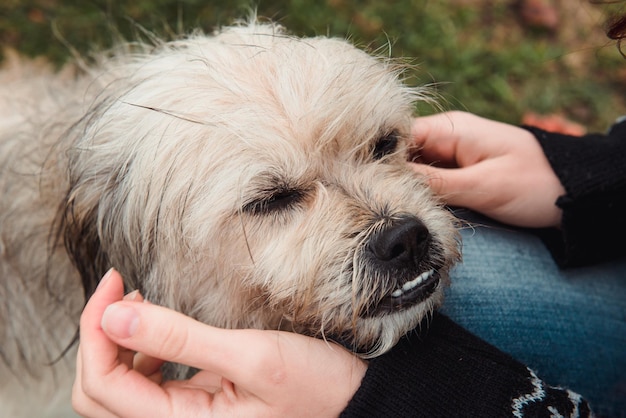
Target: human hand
[494, 168]
[248, 373]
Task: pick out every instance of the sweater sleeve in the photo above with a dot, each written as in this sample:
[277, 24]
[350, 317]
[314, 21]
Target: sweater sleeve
[448, 372]
[592, 169]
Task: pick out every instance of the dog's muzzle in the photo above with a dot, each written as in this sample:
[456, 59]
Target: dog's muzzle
[400, 254]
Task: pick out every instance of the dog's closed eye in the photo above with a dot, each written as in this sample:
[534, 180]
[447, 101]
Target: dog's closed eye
[385, 145]
[275, 201]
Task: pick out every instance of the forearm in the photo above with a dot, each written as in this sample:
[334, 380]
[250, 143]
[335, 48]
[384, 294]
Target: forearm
[592, 170]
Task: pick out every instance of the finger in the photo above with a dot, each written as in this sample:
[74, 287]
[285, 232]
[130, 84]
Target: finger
[257, 363]
[148, 366]
[134, 296]
[141, 362]
[104, 379]
[436, 138]
[81, 403]
[181, 338]
[209, 382]
[455, 186]
[86, 407]
[184, 340]
[95, 344]
[126, 356]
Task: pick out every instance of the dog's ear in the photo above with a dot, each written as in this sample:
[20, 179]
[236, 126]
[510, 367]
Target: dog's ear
[92, 225]
[79, 231]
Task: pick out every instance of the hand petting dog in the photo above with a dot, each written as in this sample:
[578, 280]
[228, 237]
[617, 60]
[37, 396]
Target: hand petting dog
[242, 372]
[494, 168]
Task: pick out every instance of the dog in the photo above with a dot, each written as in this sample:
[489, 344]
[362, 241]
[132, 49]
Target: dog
[249, 179]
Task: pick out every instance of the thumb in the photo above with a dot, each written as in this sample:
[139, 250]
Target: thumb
[164, 334]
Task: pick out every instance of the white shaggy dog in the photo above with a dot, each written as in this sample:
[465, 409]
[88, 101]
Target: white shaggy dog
[247, 179]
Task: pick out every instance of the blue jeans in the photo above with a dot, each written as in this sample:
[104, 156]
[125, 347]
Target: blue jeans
[569, 326]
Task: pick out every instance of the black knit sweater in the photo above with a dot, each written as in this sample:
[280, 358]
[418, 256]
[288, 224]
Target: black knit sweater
[445, 371]
[592, 170]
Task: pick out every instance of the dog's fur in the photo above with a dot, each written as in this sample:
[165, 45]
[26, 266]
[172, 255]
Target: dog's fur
[247, 179]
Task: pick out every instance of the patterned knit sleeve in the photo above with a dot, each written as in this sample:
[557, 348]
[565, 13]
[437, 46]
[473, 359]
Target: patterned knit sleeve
[445, 371]
[592, 169]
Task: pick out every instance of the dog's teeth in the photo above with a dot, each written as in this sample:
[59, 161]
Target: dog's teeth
[417, 281]
[413, 283]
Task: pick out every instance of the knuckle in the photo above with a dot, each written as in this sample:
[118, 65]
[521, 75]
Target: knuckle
[174, 343]
[89, 388]
[80, 402]
[458, 114]
[269, 362]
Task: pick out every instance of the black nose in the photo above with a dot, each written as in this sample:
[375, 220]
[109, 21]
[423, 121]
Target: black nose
[404, 243]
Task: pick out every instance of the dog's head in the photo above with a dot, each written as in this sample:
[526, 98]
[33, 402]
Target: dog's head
[253, 179]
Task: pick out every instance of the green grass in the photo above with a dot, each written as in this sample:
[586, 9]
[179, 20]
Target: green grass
[477, 53]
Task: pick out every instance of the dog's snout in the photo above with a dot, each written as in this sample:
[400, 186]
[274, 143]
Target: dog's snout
[405, 242]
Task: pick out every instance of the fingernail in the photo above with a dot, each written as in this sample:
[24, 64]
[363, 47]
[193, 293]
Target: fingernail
[120, 321]
[132, 295]
[105, 278]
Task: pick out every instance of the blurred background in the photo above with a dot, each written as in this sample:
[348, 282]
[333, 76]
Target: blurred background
[511, 60]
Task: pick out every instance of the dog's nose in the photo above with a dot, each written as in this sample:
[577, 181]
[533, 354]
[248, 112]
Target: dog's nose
[403, 243]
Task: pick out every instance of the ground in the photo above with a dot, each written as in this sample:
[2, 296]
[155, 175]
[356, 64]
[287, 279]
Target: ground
[505, 59]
